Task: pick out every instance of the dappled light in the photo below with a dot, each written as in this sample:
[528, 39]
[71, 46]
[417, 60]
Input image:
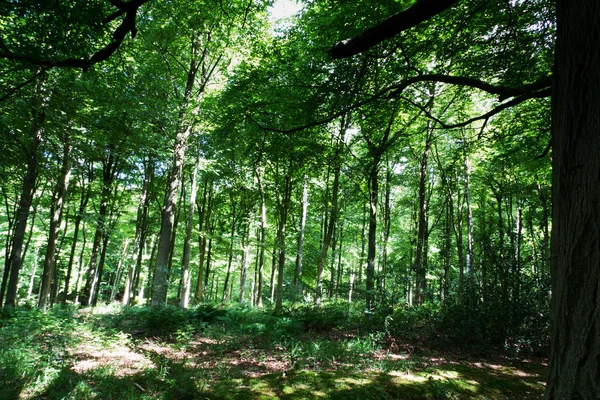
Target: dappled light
[125, 358]
[299, 199]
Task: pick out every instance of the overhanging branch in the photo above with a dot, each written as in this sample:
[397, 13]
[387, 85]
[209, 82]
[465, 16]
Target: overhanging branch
[127, 26]
[539, 89]
[420, 11]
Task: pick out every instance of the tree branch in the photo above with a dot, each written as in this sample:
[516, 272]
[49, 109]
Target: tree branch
[504, 92]
[538, 89]
[22, 85]
[517, 100]
[420, 11]
[127, 25]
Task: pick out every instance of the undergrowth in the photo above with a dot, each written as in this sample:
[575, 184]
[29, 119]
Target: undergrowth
[206, 351]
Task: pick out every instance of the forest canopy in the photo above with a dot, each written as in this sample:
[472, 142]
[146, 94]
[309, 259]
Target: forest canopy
[186, 152]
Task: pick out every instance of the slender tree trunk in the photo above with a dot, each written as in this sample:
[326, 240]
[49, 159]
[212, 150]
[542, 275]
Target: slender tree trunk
[16, 256]
[245, 261]
[80, 264]
[85, 196]
[386, 228]
[58, 201]
[109, 172]
[33, 273]
[284, 208]
[117, 280]
[423, 228]
[262, 240]
[447, 249]
[339, 261]
[575, 261]
[203, 229]
[185, 273]
[160, 283]
[141, 227]
[372, 235]
[299, 285]
[273, 272]
[469, 261]
[11, 216]
[230, 259]
[545, 222]
[329, 231]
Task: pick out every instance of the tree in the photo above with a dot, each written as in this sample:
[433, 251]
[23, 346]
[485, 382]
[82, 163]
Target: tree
[575, 248]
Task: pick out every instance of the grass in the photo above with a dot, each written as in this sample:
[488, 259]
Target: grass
[212, 353]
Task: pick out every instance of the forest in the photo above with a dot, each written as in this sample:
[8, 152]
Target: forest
[300, 199]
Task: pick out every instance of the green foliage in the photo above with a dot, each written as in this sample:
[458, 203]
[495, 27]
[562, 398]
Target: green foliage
[33, 346]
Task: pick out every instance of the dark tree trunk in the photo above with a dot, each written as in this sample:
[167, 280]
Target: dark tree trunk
[230, 259]
[261, 244]
[16, 252]
[58, 201]
[372, 236]
[109, 172]
[575, 357]
[298, 276]
[203, 219]
[141, 230]
[185, 273]
[423, 228]
[284, 203]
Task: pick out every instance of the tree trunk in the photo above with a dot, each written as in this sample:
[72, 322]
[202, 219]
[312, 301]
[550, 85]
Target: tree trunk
[372, 236]
[386, 228]
[469, 260]
[58, 201]
[262, 240]
[575, 244]
[115, 285]
[230, 259]
[245, 261]
[284, 207]
[298, 279]
[203, 215]
[109, 172]
[141, 228]
[423, 228]
[185, 273]
[16, 256]
[332, 212]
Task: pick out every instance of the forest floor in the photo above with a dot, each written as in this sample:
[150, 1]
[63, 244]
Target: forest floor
[139, 355]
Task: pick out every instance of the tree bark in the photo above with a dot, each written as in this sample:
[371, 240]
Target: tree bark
[49, 274]
[575, 244]
[372, 236]
[203, 215]
[284, 202]
[299, 285]
[262, 240]
[141, 230]
[32, 155]
[423, 226]
[185, 273]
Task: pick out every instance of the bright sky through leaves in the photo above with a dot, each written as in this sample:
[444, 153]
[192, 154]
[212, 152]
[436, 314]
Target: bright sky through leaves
[284, 9]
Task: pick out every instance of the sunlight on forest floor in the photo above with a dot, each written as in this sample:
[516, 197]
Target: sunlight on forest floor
[96, 357]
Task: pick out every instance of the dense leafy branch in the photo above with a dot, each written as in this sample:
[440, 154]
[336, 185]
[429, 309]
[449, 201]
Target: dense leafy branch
[21, 85]
[517, 100]
[539, 89]
[421, 11]
[127, 25]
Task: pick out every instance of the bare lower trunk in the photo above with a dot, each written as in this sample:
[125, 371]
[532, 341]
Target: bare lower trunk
[575, 357]
[48, 276]
[185, 273]
[16, 252]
